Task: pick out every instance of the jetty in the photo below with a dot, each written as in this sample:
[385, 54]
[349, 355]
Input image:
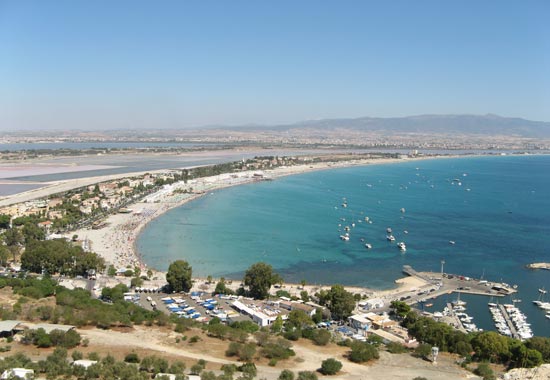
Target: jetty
[509, 322]
[453, 319]
[539, 266]
[443, 283]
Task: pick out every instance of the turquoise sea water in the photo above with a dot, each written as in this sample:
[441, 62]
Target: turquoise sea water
[499, 225]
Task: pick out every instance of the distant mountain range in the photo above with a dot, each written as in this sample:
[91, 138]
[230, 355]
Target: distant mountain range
[426, 124]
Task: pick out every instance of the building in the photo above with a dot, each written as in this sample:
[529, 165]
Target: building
[371, 304]
[21, 373]
[9, 328]
[263, 315]
[84, 363]
[360, 322]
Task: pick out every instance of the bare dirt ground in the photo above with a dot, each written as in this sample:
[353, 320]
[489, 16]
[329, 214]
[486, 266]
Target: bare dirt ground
[153, 341]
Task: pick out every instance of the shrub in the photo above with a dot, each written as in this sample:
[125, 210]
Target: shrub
[286, 375]
[395, 348]
[321, 337]
[248, 326]
[484, 371]
[218, 330]
[362, 352]
[279, 350]
[233, 349]
[330, 366]
[131, 358]
[423, 350]
[229, 369]
[248, 369]
[77, 355]
[293, 334]
[307, 375]
[196, 369]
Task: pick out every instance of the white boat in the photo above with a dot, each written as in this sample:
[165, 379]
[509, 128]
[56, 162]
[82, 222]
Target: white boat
[390, 238]
[344, 237]
[452, 242]
[368, 246]
[542, 291]
[402, 246]
[458, 301]
[548, 316]
[402, 210]
[389, 230]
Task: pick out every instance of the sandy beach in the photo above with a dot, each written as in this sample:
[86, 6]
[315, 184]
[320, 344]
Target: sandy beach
[116, 241]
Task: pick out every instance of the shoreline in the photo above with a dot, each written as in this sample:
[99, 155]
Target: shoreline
[117, 241]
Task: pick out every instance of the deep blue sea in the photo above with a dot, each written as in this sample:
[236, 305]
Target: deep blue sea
[495, 209]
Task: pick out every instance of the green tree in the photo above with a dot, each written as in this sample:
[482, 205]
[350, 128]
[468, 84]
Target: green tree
[298, 319]
[321, 337]
[259, 278]
[111, 271]
[491, 346]
[5, 221]
[4, 255]
[339, 301]
[362, 352]
[286, 375]
[221, 288]
[277, 325]
[542, 345]
[400, 308]
[179, 276]
[330, 366]
[32, 232]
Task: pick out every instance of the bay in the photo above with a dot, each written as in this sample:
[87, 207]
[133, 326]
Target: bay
[495, 209]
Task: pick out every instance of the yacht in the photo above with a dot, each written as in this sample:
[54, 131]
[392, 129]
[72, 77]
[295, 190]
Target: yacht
[344, 237]
[368, 246]
[389, 230]
[390, 238]
[402, 246]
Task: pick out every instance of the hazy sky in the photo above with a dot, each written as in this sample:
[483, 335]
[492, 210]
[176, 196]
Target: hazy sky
[170, 64]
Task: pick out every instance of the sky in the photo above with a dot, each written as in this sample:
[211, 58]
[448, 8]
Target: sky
[177, 64]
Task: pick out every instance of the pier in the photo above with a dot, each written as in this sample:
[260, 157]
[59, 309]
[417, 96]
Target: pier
[509, 322]
[448, 283]
[453, 320]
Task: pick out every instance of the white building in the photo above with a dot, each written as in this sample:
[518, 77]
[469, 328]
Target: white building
[21, 373]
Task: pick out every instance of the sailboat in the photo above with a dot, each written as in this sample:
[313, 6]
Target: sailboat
[458, 302]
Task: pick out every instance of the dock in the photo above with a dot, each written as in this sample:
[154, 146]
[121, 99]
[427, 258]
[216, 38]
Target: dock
[448, 283]
[454, 320]
[509, 322]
